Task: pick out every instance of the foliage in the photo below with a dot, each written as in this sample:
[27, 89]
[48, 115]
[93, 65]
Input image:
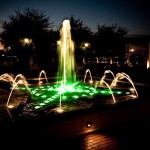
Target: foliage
[32, 24]
[110, 40]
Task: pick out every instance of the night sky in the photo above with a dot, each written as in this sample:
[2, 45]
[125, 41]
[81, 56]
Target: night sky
[132, 14]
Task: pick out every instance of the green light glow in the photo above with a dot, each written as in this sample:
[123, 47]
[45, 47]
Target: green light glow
[37, 107]
[127, 92]
[46, 101]
[118, 92]
[51, 93]
[67, 89]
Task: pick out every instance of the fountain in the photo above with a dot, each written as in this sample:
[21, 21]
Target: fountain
[68, 93]
[66, 70]
[40, 75]
[120, 76]
[91, 81]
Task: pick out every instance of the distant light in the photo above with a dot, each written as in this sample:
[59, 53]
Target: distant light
[1, 46]
[89, 124]
[132, 50]
[86, 44]
[26, 41]
[58, 42]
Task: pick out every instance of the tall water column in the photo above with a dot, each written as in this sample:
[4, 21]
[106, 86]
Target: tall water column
[66, 60]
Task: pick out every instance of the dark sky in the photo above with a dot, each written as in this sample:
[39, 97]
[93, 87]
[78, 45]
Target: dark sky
[132, 14]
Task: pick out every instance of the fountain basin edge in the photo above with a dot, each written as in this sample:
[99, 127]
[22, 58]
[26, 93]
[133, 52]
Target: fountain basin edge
[72, 125]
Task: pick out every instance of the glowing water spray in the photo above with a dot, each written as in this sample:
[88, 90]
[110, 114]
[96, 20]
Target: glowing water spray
[40, 75]
[7, 78]
[109, 71]
[103, 81]
[104, 76]
[120, 76]
[19, 82]
[60, 110]
[66, 70]
[88, 70]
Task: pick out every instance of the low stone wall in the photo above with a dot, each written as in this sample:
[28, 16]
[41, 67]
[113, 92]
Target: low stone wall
[71, 126]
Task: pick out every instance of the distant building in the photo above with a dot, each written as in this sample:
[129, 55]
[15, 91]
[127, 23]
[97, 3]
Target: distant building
[137, 49]
[1, 46]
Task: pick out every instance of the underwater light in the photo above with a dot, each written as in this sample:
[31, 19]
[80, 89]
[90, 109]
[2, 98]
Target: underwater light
[91, 81]
[89, 124]
[10, 106]
[59, 110]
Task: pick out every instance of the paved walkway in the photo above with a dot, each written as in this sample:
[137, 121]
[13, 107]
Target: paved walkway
[134, 134]
[98, 141]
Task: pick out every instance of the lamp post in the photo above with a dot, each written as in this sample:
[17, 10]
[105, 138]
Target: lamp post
[26, 40]
[84, 47]
[27, 53]
[129, 55]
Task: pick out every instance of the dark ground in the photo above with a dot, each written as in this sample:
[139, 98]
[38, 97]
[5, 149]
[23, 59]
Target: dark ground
[133, 133]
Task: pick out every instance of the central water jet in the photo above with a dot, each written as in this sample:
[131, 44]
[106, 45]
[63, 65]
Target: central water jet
[66, 61]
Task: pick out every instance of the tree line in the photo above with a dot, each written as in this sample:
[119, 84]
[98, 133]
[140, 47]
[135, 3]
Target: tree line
[36, 28]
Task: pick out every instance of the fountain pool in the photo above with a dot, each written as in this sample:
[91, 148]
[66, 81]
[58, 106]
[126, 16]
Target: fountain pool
[68, 93]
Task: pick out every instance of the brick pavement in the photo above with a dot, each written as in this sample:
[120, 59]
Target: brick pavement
[133, 134]
[97, 141]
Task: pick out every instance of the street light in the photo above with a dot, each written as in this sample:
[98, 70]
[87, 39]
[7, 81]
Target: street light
[129, 55]
[131, 50]
[26, 41]
[86, 45]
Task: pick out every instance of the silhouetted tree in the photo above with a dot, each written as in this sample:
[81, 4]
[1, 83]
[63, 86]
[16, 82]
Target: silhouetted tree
[110, 41]
[33, 25]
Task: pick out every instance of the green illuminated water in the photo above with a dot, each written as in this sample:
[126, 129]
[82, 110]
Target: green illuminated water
[47, 95]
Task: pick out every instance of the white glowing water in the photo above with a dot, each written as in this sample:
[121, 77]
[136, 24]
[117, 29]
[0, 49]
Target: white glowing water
[19, 82]
[66, 70]
[103, 81]
[121, 76]
[7, 78]
[15, 83]
[88, 71]
[40, 75]
[109, 71]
